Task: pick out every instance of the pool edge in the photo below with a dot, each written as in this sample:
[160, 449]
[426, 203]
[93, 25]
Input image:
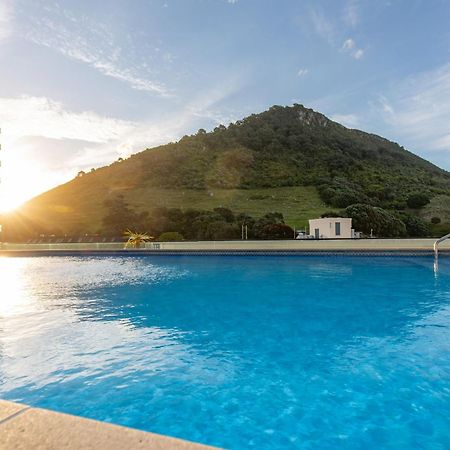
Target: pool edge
[24, 427]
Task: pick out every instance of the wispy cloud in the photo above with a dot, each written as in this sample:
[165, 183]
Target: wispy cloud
[323, 27]
[418, 109]
[80, 38]
[302, 72]
[49, 144]
[331, 29]
[6, 17]
[351, 13]
[348, 120]
[42, 142]
[349, 46]
[49, 119]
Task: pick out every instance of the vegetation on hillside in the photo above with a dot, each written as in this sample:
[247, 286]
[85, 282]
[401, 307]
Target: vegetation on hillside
[172, 224]
[294, 150]
[295, 146]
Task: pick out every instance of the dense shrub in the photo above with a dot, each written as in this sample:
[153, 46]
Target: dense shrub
[171, 236]
[119, 217]
[221, 230]
[435, 220]
[418, 200]
[258, 230]
[440, 229]
[415, 226]
[341, 193]
[331, 214]
[225, 213]
[277, 231]
[366, 218]
[174, 224]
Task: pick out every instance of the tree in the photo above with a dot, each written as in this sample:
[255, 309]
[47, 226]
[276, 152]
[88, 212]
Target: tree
[415, 226]
[119, 217]
[418, 200]
[222, 230]
[278, 231]
[366, 218]
[171, 236]
[331, 214]
[259, 230]
[226, 213]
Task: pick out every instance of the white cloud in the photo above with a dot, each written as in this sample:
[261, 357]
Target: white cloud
[358, 53]
[330, 30]
[93, 43]
[418, 111]
[39, 116]
[348, 120]
[302, 72]
[41, 142]
[351, 13]
[6, 17]
[349, 46]
[322, 26]
[46, 144]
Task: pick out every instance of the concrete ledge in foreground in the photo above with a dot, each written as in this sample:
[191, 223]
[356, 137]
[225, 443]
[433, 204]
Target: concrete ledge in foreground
[25, 428]
[238, 247]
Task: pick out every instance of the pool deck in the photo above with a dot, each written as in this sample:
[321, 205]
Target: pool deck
[25, 428]
[305, 247]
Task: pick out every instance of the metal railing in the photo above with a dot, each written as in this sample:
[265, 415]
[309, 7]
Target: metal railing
[437, 242]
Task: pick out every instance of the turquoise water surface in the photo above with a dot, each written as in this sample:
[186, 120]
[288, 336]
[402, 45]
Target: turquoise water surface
[239, 352]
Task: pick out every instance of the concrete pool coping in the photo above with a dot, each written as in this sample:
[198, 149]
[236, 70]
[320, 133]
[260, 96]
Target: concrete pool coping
[368, 247]
[24, 428]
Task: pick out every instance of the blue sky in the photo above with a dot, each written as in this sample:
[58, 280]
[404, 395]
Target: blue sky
[84, 82]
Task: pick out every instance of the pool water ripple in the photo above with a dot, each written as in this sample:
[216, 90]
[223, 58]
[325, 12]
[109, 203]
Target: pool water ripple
[239, 352]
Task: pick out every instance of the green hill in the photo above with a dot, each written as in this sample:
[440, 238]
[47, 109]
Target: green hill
[287, 159]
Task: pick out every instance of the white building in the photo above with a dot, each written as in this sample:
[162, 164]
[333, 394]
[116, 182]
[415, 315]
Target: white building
[332, 228]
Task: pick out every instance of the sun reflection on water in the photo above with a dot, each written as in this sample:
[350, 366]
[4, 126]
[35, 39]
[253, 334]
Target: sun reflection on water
[14, 298]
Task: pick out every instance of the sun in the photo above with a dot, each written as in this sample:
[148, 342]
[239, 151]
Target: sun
[9, 205]
[12, 194]
[17, 184]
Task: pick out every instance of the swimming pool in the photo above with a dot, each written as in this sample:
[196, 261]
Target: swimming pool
[239, 352]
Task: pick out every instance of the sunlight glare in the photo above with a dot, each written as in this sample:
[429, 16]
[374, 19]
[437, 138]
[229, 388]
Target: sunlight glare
[13, 299]
[22, 177]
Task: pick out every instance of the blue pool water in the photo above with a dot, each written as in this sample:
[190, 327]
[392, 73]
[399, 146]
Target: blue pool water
[239, 352]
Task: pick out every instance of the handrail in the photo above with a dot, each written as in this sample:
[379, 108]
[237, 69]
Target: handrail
[437, 242]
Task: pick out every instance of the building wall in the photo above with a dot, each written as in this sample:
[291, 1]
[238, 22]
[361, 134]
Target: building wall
[327, 227]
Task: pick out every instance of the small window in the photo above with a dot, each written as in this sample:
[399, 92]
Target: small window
[337, 228]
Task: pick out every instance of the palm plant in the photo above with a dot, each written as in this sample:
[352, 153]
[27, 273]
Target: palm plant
[136, 239]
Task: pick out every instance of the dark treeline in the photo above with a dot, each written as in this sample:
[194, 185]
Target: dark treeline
[174, 224]
[192, 224]
[222, 223]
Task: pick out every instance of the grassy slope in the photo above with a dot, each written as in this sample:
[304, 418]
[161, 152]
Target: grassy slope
[297, 203]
